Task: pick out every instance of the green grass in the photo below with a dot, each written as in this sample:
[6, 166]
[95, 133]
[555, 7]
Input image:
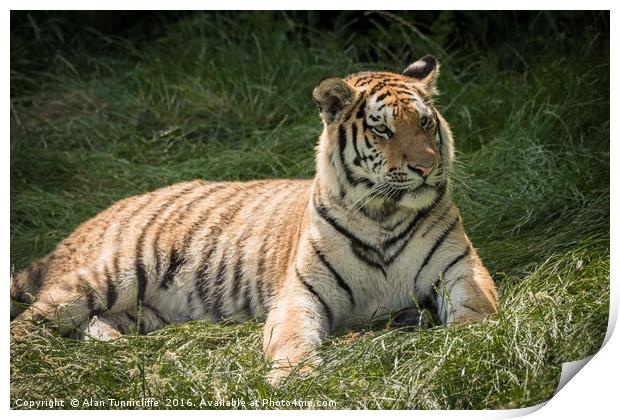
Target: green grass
[229, 97]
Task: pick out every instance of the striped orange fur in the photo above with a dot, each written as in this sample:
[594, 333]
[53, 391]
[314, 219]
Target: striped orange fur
[375, 232]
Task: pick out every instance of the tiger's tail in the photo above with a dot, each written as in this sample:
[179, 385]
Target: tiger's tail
[26, 285]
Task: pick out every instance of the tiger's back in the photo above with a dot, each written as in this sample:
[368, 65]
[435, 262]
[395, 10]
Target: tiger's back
[194, 250]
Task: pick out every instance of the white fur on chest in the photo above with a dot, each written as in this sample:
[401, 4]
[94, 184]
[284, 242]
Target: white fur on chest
[377, 290]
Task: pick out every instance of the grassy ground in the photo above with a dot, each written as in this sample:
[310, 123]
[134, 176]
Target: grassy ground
[220, 98]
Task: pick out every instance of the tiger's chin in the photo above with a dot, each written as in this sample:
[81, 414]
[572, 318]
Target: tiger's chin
[419, 199]
[408, 199]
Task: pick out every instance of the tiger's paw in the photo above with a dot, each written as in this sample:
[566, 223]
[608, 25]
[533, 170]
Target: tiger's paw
[412, 319]
[280, 372]
[99, 329]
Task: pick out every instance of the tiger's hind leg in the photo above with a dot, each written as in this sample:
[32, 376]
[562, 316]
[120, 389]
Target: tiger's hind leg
[110, 326]
[26, 285]
[67, 300]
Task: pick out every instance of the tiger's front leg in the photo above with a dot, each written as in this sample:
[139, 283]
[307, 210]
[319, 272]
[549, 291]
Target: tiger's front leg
[467, 296]
[295, 327]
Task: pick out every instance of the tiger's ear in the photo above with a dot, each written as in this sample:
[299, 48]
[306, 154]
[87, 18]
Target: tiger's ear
[425, 71]
[333, 96]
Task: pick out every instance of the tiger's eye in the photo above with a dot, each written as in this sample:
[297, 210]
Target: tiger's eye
[382, 130]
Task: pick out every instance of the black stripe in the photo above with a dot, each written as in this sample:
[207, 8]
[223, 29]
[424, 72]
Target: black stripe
[91, 297]
[111, 219]
[116, 265]
[132, 320]
[201, 279]
[422, 215]
[225, 219]
[141, 276]
[260, 270]
[395, 225]
[440, 136]
[141, 326]
[126, 220]
[120, 327]
[456, 260]
[397, 194]
[376, 88]
[339, 280]
[410, 229]
[247, 299]
[111, 294]
[378, 77]
[354, 141]
[359, 253]
[359, 247]
[429, 301]
[156, 313]
[382, 96]
[260, 267]
[240, 248]
[437, 244]
[190, 300]
[205, 213]
[411, 234]
[363, 80]
[437, 220]
[471, 308]
[36, 273]
[173, 268]
[380, 214]
[342, 144]
[325, 215]
[346, 118]
[218, 291]
[360, 111]
[177, 215]
[140, 269]
[381, 77]
[202, 220]
[328, 312]
[403, 90]
[237, 279]
[352, 179]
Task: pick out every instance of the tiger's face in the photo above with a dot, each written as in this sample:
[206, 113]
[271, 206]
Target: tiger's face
[383, 138]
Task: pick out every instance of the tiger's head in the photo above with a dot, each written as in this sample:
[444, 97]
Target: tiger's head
[384, 143]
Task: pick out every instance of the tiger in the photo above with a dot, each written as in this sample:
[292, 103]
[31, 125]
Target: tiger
[373, 236]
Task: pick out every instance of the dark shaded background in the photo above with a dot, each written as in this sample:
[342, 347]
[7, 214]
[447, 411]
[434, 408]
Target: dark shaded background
[511, 34]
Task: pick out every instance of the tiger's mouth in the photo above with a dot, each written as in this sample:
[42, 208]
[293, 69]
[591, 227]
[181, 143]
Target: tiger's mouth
[397, 191]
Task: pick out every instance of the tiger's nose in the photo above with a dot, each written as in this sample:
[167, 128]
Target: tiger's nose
[423, 171]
